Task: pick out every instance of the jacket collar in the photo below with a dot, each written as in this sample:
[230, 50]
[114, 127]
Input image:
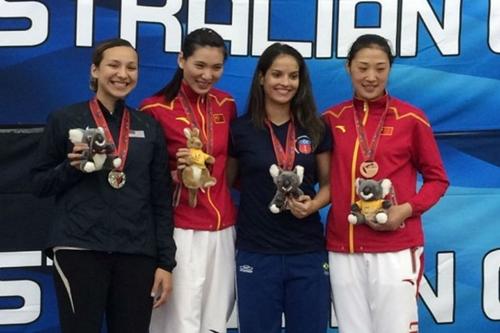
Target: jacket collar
[377, 105]
[192, 95]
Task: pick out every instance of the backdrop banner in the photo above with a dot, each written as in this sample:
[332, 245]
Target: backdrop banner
[447, 64]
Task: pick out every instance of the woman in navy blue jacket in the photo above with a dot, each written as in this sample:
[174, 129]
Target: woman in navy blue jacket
[111, 240]
[281, 261]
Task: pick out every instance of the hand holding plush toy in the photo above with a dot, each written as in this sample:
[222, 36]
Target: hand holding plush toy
[287, 185]
[196, 174]
[100, 154]
[372, 206]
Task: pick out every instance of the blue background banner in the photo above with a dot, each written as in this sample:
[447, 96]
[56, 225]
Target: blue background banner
[447, 64]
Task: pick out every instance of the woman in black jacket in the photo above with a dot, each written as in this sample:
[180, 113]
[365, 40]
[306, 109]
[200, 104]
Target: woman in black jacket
[111, 240]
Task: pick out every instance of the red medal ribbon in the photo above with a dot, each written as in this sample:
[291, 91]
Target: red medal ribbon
[284, 156]
[368, 150]
[122, 149]
[208, 131]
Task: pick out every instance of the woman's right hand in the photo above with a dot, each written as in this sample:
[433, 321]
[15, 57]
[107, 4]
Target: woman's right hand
[75, 157]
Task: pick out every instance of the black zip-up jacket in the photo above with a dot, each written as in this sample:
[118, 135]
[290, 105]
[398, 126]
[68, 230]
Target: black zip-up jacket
[136, 219]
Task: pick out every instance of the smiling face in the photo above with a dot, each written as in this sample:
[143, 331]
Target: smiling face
[203, 68]
[116, 74]
[369, 70]
[281, 81]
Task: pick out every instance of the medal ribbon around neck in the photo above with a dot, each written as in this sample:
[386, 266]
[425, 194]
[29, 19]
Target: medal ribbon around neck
[209, 137]
[122, 149]
[284, 156]
[368, 150]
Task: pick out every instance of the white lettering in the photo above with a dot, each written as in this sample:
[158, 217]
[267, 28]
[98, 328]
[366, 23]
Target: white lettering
[347, 31]
[236, 32]
[28, 290]
[132, 14]
[84, 22]
[494, 26]
[324, 29]
[491, 285]
[446, 37]
[442, 302]
[34, 11]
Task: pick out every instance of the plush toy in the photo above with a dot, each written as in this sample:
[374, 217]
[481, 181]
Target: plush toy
[372, 205]
[287, 185]
[100, 154]
[196, 174]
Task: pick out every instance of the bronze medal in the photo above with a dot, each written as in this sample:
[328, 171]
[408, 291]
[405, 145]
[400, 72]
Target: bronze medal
[368, 169]
[116, 179]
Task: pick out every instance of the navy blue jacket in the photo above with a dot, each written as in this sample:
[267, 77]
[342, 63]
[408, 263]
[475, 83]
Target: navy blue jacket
[136, 219]
[259, 230]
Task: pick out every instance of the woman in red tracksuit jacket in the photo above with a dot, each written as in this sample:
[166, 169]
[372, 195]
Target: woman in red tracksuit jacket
[203, 282]
[375, 268]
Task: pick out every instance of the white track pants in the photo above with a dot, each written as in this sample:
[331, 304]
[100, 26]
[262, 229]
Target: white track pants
[203, 292]
[376, 292]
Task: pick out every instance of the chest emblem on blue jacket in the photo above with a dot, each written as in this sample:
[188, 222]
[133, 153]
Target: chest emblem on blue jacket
[303, 144]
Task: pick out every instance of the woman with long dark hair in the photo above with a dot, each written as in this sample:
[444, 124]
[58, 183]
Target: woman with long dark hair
[203, 281]
[281, 260]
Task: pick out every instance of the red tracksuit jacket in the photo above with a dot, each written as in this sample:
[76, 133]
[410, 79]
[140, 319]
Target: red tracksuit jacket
[406, 147]
[215, 209]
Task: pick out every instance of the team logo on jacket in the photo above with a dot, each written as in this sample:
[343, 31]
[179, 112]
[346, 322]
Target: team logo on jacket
[303, 144]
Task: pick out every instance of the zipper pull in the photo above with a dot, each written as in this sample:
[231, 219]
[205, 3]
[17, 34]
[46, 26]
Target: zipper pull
[365, 106]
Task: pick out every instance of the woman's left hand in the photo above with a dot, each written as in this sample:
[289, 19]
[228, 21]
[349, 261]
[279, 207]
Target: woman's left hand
[301, 207]
[162, 287]
[397, 214]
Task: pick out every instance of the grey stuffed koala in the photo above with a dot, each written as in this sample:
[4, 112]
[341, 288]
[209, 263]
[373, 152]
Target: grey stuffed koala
[287, 185]
[371, 204]
[100, 154]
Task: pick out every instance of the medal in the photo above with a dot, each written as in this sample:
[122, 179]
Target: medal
[285, 156]
[116, 179]
[368, 169]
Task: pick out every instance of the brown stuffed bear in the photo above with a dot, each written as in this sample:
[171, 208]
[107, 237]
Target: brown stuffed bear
[196, 174]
